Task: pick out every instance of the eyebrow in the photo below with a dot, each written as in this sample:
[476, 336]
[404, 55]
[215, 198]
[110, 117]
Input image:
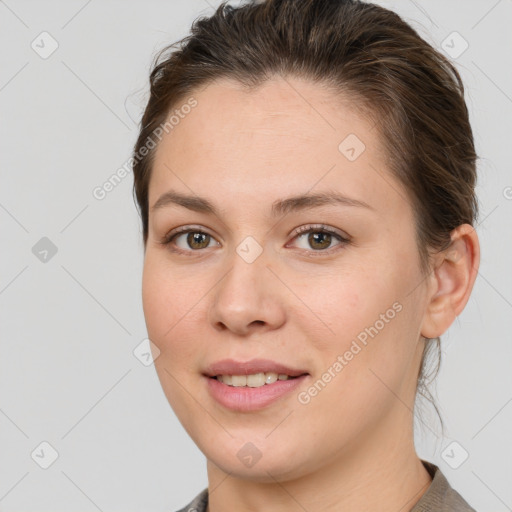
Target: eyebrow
[279, 207]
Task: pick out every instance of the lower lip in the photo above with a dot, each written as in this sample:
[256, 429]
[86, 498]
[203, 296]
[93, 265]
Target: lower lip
[244, 399]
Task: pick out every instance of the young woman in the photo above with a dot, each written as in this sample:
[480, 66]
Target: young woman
[305, 174]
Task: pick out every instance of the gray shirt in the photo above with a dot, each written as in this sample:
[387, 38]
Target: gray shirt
[439, 497]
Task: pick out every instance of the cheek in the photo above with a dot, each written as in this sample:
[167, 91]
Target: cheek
[344, 303]
[372, 326]
[168, 304]
[169, 314]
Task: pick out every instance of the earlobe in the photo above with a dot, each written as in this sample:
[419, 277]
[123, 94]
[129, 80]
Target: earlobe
[452, 280]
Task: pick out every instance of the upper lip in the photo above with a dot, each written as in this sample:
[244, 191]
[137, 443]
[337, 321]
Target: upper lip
[232, 367]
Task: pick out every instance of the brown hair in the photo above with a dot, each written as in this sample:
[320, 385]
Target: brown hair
[411, 91]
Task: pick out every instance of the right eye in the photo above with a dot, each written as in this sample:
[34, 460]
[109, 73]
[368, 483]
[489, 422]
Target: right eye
[192, 240]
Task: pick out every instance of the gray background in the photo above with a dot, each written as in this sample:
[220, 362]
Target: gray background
[70, 324]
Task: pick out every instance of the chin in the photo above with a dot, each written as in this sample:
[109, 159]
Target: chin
[269, 464]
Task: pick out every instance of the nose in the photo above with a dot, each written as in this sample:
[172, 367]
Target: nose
[249, 298]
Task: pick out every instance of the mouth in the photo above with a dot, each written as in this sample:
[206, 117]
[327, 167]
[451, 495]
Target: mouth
[251, 385]
[230, 367]
[254, 380]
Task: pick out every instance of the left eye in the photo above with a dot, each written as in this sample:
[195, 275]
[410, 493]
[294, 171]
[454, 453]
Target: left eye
[320, 239]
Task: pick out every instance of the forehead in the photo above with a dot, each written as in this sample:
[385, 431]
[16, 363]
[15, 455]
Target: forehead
[286, 137]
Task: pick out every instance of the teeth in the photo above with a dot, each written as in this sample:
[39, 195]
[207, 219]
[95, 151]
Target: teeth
[254, 380]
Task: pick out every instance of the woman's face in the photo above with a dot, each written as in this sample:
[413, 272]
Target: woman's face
[242, 284]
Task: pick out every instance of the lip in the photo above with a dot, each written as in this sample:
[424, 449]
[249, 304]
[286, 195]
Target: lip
[246, 399]
[232, 367]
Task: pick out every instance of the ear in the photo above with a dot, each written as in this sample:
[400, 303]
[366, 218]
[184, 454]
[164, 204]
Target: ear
[451, 281]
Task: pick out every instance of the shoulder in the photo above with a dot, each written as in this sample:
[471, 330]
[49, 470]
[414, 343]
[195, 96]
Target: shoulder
[440, 496]
[198, 504]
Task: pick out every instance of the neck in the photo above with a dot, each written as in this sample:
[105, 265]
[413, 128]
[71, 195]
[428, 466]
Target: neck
[381, 472]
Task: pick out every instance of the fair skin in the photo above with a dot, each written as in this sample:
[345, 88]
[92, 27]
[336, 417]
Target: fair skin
[351, 446]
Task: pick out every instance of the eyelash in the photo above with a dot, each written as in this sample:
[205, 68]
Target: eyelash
[316, 228]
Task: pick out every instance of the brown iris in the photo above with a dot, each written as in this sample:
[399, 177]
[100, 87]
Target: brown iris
[316, 239]
[199, 238]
